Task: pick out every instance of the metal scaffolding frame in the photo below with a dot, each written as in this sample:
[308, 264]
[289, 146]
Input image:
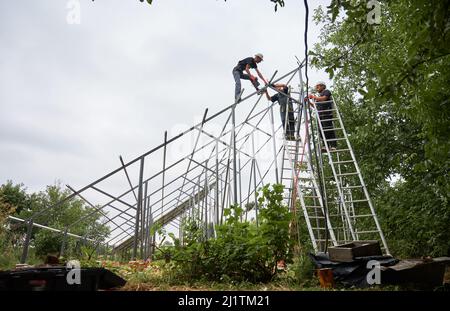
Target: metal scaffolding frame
[228, 156]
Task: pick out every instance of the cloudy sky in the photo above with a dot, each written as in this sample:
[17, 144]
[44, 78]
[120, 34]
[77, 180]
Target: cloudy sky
[73, 97]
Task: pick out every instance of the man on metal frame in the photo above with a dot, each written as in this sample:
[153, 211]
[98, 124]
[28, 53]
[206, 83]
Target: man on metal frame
[245, 65]
[286, 109]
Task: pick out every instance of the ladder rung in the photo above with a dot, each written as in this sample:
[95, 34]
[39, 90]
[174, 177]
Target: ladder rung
[360, 216]
[335, 139]
[343, 162]
[355, 201]
[333, 129]
[347, 174]
[334, 109]
[368, 231]
[352, 187]
[316, 217]
[313, 206]
[339, 150]
[318, 228]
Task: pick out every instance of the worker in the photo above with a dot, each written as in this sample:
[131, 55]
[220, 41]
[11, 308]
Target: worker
[324, 105]
[286, 108]
[245, 65]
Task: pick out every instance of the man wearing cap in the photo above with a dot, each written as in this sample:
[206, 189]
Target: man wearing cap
[324, 104]
[245, 65]
[286, 109]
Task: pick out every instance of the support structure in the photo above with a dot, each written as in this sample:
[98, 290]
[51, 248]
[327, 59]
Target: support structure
[205, 170]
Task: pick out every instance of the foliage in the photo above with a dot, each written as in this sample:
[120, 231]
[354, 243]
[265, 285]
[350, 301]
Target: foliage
[241, 251]
[67, 212]
[6, 209]
[391, 83]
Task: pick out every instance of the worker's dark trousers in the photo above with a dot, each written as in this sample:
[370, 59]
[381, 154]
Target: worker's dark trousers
[327, 124]
[238, 75]
[290, 129]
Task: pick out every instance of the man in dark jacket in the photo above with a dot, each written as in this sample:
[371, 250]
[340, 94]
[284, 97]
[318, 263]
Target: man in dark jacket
[245, 65]
[286, 109]
[324, 105]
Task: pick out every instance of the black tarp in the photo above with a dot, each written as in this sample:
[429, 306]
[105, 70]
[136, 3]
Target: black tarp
[55, 278]
[350, 273]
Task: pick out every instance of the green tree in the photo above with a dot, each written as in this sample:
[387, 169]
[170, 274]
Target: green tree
[15, 198]
[390, 81]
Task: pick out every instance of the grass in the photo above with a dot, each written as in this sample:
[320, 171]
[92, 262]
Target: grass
[157, 276]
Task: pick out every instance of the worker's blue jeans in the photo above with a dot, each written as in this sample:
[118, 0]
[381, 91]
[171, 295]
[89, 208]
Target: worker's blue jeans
[238, 75]
[327, 122]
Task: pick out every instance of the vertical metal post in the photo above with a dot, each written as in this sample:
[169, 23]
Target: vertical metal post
[26, 244]
[149, 237]
[224, 190]
[240, 183]
[163, 173]
[143, 221]
[138, 208]
[147, 230]
[63, 244]
[272, 121]
[206, 190]
[216, 200]
[233, 133]
[254, 179]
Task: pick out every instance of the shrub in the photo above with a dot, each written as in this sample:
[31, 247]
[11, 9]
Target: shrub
[241, 251]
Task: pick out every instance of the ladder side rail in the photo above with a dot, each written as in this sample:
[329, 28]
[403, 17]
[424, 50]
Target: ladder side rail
[366, 192]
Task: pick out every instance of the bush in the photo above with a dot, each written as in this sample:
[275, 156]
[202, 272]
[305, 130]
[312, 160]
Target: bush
[241, 251]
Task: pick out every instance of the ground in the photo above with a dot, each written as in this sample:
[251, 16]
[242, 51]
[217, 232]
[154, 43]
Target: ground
[156, 276]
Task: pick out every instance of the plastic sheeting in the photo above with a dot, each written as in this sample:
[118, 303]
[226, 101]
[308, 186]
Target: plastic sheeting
[351, 273]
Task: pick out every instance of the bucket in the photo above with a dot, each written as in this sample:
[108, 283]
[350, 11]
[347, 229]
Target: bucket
[325, 277]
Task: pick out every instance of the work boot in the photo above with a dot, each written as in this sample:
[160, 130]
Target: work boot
[290, 137]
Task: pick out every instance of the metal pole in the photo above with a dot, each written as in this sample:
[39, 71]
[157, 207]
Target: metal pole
[138, 209]
[63, 244]
[126, 174]
[254, 180]
[164, 172]
[240, 184]
[26, 244]
[233, 133]
[216, 203]
[143, 222]
[274, 143]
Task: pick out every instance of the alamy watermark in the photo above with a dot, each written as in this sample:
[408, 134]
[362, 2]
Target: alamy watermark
[374, 15]
[74, 275]
[73, 16]
[374, 275]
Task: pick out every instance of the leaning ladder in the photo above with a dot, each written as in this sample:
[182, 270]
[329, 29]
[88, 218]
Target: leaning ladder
[354, 206]
[301, 182]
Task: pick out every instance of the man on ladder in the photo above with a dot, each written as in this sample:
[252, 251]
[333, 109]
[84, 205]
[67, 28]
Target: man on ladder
[245, 65]
[324, 105]
[286, 109]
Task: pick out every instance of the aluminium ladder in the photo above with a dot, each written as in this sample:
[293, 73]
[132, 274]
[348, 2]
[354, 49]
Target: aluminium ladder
[354, 207]
[300, 181]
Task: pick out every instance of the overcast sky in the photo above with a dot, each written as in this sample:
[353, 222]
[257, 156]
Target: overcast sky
[75, 97]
